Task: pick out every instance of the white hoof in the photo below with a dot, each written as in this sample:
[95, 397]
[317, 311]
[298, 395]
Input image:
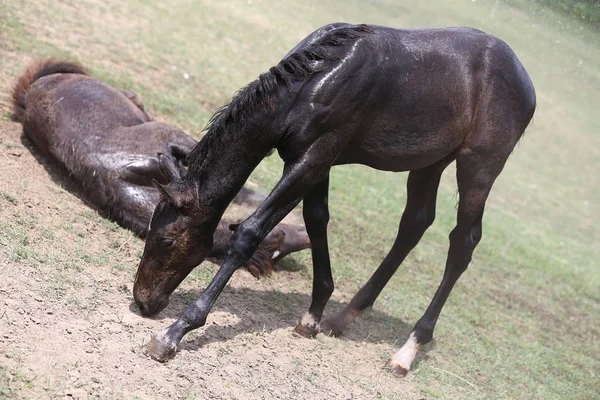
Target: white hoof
[403, 358]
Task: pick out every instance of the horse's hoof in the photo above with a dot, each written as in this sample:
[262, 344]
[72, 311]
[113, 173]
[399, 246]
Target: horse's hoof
[330, 329]
[159, 351]
[305, 331]
[396, 368]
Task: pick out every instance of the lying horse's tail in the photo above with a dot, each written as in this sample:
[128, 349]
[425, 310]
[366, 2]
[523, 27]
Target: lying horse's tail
[35, 71]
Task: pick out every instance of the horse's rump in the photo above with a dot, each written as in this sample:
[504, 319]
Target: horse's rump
[35, 71]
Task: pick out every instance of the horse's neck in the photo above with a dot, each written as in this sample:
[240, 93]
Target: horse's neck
[227, 160]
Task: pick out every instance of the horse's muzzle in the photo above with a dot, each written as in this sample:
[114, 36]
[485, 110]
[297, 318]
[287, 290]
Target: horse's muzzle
[149, 309]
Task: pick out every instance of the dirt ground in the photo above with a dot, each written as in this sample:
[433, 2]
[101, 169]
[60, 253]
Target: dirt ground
[68, 328]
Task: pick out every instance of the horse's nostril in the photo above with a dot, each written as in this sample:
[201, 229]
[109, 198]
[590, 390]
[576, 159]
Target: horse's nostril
[143, 308]
[149, 309]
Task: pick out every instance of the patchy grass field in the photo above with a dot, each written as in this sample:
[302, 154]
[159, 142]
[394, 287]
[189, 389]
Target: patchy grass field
[523, 322]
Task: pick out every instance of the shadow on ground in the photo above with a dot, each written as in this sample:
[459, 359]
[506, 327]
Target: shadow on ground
[270, 310]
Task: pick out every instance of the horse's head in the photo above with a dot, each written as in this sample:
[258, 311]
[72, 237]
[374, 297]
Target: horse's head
[178, 239]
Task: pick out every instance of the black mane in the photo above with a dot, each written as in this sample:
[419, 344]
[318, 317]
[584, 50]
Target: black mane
[296, 67]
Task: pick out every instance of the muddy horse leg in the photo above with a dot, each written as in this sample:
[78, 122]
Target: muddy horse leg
[419, 214]
[316, 216]
[298, 178]
[476, 173]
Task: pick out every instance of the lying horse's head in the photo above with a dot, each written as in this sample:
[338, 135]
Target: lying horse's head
[177, 241]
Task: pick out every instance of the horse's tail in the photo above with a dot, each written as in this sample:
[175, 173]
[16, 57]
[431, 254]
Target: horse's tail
[35, 71]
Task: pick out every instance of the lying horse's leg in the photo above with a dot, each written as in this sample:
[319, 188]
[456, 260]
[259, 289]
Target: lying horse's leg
[137, 100]
[142, 172]
[419, 214]
[476, 172]
[180, 152]
[298, 178]
[316, 217]
[180, 146]
[296, 239]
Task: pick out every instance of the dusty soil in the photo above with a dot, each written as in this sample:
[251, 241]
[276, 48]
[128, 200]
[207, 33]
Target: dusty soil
[68, 328]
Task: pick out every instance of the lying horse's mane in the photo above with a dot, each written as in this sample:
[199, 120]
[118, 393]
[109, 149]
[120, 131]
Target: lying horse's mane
[296, 67]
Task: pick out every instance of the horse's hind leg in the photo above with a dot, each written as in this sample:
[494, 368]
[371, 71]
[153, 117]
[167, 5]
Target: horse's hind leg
[477, 166]
[419, 214]
[135, 99]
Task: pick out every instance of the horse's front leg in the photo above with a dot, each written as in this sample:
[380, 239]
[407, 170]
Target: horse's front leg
[163, 345]
[298, 178]
[316, 216]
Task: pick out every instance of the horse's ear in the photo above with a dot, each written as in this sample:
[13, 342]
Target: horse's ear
[165, 191]
[168, 168]
[180, 195]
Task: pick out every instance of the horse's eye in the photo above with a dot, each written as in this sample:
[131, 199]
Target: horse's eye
[167, 242]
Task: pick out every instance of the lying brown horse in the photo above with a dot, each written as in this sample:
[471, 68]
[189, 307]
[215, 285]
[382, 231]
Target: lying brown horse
[108, 145]
[392, 99]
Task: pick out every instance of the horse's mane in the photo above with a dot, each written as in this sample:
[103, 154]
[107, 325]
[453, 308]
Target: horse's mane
[298, 66]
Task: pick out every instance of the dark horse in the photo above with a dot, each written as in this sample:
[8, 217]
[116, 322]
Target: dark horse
[392, 99]
[108, 144]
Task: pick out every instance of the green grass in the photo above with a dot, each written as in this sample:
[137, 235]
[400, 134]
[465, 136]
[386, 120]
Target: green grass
[9, 198]
[13, 380]
[587, 11]
[523, 322]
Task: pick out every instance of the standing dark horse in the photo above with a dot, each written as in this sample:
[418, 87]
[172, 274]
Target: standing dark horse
[395, 100]
[108, 145]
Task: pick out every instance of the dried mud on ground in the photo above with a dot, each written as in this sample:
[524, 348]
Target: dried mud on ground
[68, 328]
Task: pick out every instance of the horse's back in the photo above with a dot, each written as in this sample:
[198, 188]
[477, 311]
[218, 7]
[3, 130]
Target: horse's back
[472, 61]
[71, 112]
[80, 105]
[406, 98]
[419, 62]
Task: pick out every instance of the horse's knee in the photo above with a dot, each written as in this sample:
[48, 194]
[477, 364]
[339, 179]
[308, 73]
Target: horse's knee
[245, 240]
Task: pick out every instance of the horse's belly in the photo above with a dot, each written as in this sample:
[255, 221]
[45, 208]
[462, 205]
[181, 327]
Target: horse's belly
[399, 151]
